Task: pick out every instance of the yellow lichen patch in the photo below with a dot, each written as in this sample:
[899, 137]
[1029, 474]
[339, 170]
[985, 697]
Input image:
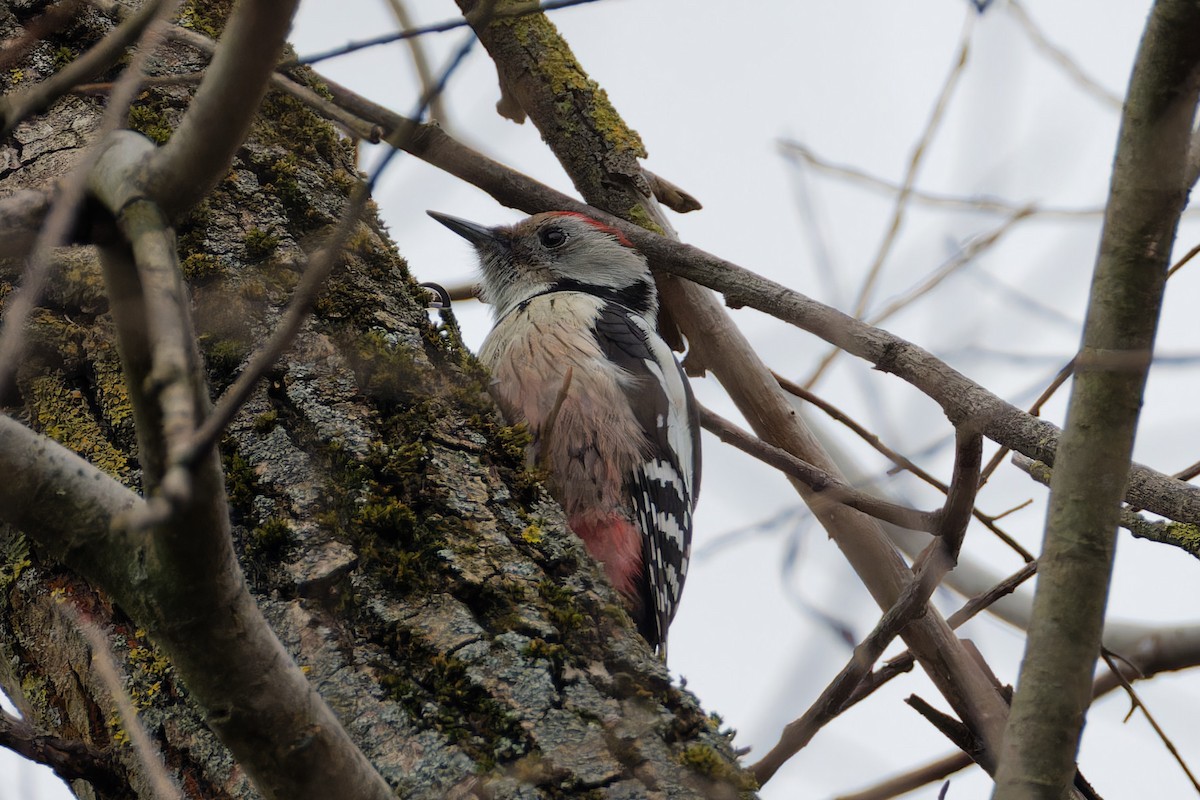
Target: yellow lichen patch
[63, 414]
[639, 216]
[532, 533]
[112, 395]
[705, 760]
[557, 65]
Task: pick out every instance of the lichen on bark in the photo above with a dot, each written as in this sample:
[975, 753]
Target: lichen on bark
[384, 517]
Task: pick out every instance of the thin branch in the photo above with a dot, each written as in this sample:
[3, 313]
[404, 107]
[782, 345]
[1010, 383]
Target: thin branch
[1035, 410]
[1138, 704]
[353, 125]
[437, 109]
[105, 53]
[320, 265]
[104, 87]
[963, 258]
[439, 27]
[989, 205]
[1183, 536]
[909, 781]
[901, 461]
[1059, 56]
[948, 726]
[929, 570]
[914, 164]
[904, 661]
[1188, 256]
[105, 667]
[821, 482]
[1066, 372]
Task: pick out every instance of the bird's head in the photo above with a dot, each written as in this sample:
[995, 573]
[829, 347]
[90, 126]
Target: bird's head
[557, 251]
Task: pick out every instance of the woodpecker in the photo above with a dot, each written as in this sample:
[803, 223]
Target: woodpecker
[576, 355]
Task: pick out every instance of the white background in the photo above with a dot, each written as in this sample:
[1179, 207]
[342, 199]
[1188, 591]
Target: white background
[713, 90]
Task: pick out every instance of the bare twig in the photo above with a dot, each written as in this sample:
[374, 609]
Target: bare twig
[16, 107]
[903, 784]
[1059, 56]
[904, 661]
[914, 164]
[437, 109]
[439, 27]
[830, 488]
[1138, 704]
[105, 667]
[910, 176]
[1188, 256]
[1175, 534]
[928, 571]
[353, 125]
[964, 257]
[969, 252]
[1066, 372]
[901, 461]
[989, 205]
[320, 265]
[949, 727]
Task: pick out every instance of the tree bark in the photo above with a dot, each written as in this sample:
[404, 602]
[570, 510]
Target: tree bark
[382, 513]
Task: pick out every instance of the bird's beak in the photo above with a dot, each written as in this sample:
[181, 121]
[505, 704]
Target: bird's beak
[473, 232]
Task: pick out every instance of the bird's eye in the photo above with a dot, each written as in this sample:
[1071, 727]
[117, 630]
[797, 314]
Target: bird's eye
[552, 237]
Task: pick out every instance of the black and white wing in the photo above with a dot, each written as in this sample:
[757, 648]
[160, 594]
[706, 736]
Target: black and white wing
[664, 487]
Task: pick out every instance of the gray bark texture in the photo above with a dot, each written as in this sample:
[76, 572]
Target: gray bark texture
[382, 512]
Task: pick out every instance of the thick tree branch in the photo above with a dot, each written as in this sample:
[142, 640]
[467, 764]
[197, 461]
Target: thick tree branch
[190, 594]
[1146, 197]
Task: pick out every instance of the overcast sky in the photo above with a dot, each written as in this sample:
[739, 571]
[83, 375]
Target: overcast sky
[713, 93]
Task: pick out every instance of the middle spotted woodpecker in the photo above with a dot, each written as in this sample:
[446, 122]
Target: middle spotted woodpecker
[575, 354]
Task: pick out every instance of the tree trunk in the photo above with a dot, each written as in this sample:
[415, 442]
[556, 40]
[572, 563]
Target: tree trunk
[383, 515]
